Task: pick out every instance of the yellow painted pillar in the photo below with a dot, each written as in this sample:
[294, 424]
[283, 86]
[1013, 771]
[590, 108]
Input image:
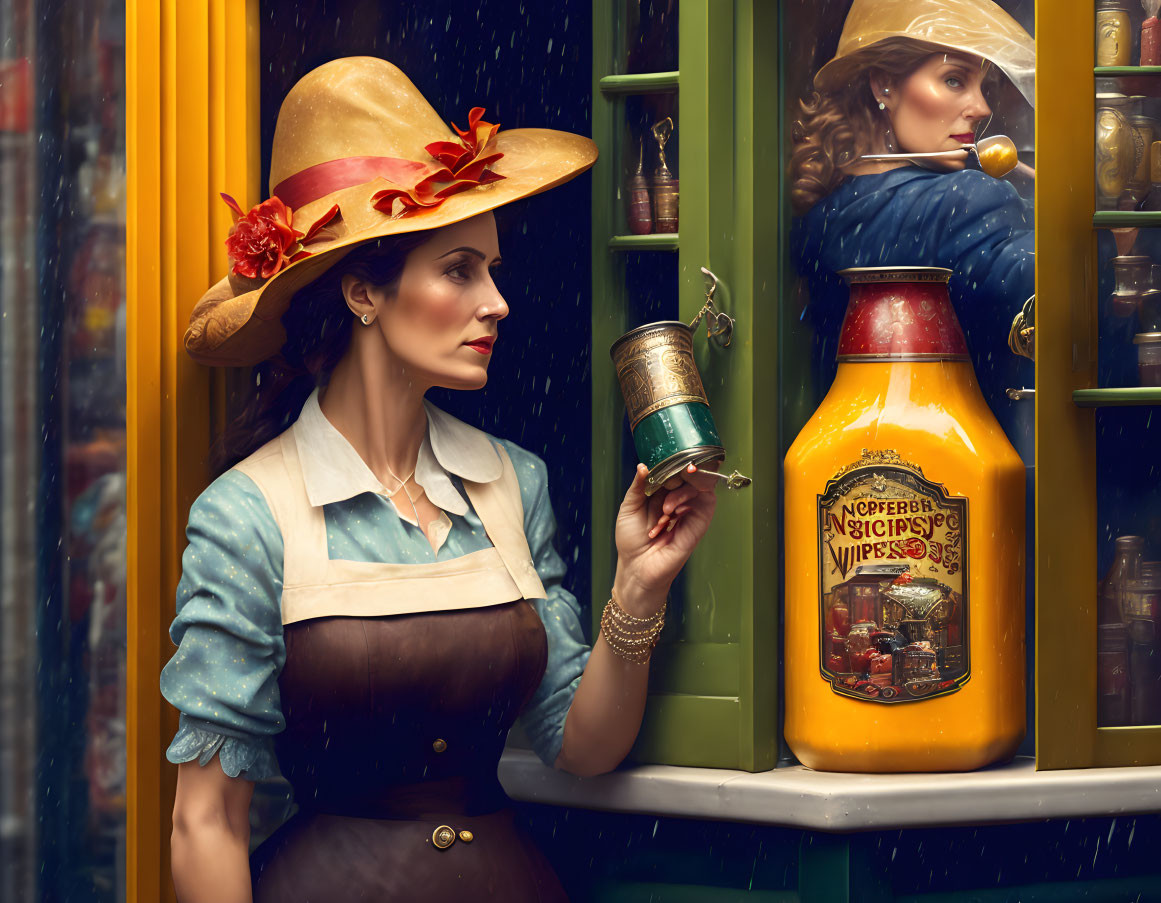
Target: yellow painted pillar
[192, 130]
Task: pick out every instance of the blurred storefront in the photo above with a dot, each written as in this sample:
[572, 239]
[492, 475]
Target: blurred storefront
[62, 434]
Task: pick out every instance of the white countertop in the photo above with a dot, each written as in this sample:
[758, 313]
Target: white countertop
[822, 801]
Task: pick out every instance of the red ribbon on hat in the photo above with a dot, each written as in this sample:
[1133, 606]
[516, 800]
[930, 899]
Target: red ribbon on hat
[459, 165]
[264, 241]
[322, 179]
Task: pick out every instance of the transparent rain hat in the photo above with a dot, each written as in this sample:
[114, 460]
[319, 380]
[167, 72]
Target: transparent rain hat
[978, 27]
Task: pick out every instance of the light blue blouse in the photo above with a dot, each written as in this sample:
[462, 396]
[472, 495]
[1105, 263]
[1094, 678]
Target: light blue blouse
[224, 676]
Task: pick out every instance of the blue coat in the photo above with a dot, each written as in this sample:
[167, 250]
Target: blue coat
[974, 225]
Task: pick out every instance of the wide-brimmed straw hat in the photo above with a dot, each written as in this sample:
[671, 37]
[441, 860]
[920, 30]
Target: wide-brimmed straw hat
[360, 154]
[978, 27]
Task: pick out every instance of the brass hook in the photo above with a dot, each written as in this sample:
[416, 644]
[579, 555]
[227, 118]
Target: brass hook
[719, 325]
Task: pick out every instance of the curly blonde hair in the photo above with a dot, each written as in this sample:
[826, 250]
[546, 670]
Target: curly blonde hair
[836, 126]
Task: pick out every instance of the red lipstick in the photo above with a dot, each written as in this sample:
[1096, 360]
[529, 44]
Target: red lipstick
[965, 138]
[482, 344]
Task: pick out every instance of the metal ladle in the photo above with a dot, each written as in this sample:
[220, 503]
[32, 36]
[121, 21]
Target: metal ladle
[996, 153]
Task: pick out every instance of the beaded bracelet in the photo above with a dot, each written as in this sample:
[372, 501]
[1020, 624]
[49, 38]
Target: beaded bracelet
[630, 637]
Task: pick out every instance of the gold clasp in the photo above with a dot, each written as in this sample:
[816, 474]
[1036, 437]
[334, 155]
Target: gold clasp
[719, 325]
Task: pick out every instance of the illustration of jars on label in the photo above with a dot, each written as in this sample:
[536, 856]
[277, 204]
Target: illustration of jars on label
[905, 529]
[876, 519]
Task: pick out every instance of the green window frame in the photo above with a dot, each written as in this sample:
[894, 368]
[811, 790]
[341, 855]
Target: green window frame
[714, 684]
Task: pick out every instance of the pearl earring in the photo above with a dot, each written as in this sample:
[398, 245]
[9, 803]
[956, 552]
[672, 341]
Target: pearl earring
[882, 106]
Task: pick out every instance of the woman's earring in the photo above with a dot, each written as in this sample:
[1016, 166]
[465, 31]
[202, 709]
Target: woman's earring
[366, 320]
[882, 106]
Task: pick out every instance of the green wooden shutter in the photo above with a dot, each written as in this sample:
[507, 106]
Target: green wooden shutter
[714, 682]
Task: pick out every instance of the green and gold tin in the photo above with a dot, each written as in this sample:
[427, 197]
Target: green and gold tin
[669, 413]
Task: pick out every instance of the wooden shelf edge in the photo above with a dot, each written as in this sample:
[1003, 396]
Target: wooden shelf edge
[1106, 398]
[1111, 219]
[1116, 71]
[667, 241]
[640, 83]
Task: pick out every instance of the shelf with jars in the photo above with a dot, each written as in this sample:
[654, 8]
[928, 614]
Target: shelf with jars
[1128, 333]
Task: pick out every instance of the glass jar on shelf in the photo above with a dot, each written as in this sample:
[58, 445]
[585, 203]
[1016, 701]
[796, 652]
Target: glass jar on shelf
[1114, 36]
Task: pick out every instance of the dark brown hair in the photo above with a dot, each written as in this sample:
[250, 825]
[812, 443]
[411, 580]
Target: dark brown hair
[318, 327]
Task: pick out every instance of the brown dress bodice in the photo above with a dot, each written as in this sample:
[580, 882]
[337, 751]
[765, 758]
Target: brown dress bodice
[399, 688]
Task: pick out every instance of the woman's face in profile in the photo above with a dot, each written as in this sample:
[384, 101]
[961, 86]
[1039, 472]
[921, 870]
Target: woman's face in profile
[940, 105]
[442, 319]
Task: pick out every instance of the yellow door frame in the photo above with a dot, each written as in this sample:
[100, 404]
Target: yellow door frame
[1067, 324]
[192, 130]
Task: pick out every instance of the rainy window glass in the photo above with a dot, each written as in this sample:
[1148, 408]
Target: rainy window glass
[909, 143]
[826, 175]
[647, 35]
[62, 480]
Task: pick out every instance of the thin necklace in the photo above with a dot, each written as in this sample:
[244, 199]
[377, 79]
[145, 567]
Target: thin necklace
[403, 485]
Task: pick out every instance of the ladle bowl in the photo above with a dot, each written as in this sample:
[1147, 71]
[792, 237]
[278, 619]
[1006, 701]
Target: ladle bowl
[996, 153]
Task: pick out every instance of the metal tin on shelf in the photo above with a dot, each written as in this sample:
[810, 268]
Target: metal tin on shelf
[1114, 37]
[669, 413]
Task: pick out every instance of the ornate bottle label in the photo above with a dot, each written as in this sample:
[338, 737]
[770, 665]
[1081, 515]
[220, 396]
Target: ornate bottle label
[893, 600]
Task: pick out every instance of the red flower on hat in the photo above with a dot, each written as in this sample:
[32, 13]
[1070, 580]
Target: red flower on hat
[463, 164]
[264, 241]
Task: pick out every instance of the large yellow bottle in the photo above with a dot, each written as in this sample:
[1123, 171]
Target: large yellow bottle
[904, 548]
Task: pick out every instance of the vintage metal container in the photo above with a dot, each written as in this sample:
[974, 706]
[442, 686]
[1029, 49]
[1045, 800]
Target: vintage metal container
[904, 505]
[1133, 276]
[640, 215]
[1115, 146]
[1114, 38]
[669, 413]
[1144, 129]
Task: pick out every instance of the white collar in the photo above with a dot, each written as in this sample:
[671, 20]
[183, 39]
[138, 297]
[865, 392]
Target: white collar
[333, 471]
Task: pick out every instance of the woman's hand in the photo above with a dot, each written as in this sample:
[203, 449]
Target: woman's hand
[656, 535]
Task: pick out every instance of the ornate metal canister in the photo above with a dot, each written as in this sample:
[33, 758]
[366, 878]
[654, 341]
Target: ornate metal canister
[1115, 157]
[640, 207]
[669, 413]
[1114, 38]
[665, 183]
[1143, 132]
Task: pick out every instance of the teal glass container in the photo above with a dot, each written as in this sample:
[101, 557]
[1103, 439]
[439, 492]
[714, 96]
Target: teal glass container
[669, 413]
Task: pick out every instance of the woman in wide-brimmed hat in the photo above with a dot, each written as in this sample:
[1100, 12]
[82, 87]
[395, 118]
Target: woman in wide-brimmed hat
[912, 76]
[370, 595]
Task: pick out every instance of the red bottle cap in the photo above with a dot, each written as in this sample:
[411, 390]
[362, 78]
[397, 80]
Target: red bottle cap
[900, 314]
